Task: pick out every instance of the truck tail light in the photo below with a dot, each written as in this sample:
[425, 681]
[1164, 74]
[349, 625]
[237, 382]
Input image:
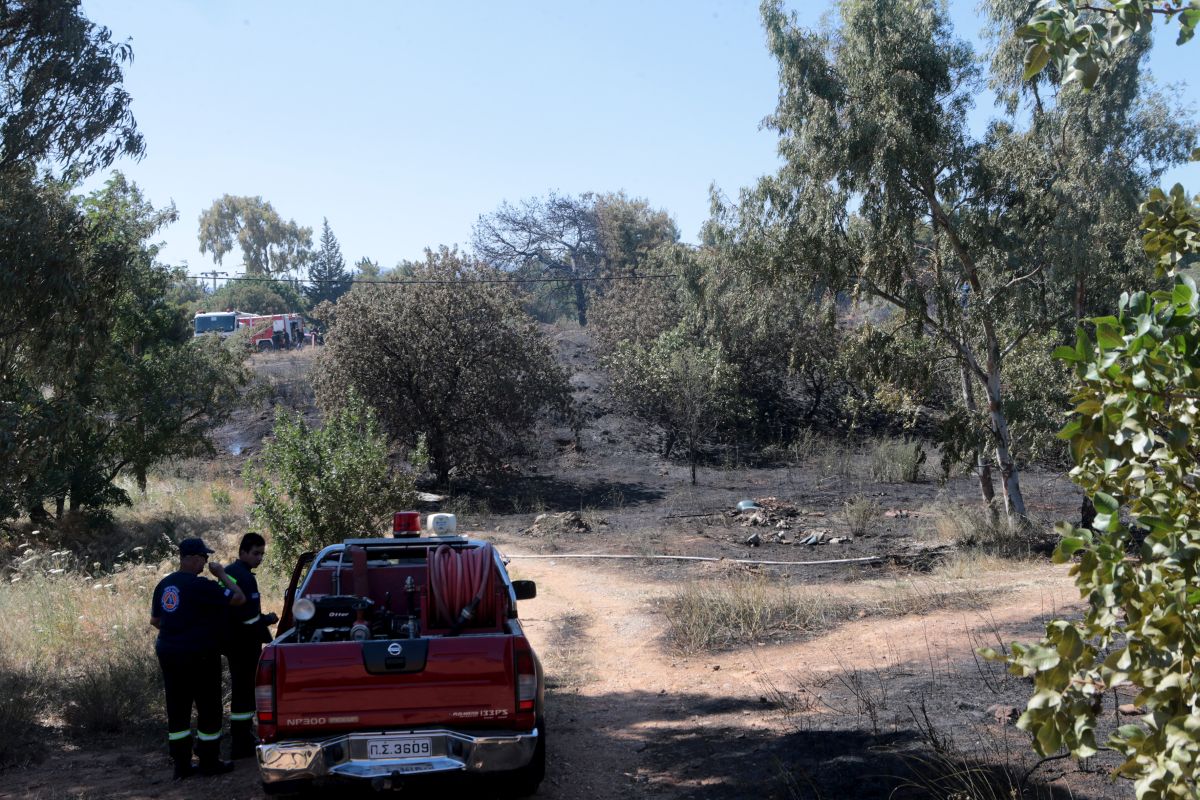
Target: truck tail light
[264, 695]
[526, 676]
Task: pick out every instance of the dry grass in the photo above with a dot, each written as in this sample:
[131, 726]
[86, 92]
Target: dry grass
[742, 610]
[209, 496]
[283, 375]
[973, 565]
[861, 514]
[987, 531]
[897, 461]
[24, 690]
[66, 616]
[79, 651]
[888, 460]
[568, 667]
[470, 511]
[712, 616]
[181, 501]
[89, 643]
[839, 460]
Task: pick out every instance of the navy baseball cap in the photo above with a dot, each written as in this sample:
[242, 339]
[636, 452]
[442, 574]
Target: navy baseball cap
[193, 547]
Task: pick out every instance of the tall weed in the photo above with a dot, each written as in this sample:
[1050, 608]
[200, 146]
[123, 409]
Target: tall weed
[861, 514]
[118, 690]
[897, 461]
[23, 689]
[83, 649]
[989, 531]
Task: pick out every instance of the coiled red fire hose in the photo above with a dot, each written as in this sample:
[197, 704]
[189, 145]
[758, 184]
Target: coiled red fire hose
[461, 584]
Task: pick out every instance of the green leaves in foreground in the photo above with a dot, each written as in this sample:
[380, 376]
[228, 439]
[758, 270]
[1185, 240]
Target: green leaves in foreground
[1079, 37]
[1135, 441]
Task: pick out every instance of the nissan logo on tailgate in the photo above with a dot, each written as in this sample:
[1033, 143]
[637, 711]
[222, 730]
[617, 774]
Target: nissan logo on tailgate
[394, 649]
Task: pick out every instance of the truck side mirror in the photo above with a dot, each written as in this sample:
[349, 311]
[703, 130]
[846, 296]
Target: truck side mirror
[525, 590]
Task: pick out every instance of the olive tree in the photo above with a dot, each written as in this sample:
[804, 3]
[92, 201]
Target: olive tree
[574, 238]
[61, 96]
[687, 390]
[884, 193]
[638, 311]
[449, 355]
[317, 486]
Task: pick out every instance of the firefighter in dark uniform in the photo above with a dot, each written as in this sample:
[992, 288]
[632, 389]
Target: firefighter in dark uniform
[189, 611]
[246, 631]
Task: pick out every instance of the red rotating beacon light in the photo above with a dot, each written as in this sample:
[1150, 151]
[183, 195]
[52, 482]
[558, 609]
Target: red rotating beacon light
[406, 523]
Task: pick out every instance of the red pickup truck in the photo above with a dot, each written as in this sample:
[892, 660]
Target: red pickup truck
[401, 657]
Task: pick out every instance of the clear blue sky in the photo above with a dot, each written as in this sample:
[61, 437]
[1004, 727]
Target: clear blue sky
[403, 122]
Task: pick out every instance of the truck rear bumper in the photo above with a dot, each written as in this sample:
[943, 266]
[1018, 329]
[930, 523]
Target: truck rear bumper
[347, 756]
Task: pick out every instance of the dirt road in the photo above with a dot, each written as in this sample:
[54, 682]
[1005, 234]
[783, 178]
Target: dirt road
[629, 719]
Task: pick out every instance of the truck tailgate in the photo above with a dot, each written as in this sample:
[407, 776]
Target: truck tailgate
[463, 681]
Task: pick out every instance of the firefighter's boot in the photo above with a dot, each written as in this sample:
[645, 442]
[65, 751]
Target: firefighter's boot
[241, 732]
[209, 751]
[181, 754]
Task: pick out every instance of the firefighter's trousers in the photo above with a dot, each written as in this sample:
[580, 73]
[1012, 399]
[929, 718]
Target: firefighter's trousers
[193, 679]
[243, 666]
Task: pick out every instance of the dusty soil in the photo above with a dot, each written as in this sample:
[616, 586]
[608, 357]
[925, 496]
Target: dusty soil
[877, 707]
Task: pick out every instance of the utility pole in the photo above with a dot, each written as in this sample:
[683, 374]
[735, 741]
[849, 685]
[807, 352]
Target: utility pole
[213, 275]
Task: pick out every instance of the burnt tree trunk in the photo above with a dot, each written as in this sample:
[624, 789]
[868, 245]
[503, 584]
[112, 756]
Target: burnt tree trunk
[581, 303]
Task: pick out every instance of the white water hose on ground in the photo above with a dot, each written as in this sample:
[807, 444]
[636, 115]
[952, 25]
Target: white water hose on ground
[863, 560]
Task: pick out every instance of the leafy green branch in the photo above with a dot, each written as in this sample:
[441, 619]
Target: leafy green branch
[1079, 37]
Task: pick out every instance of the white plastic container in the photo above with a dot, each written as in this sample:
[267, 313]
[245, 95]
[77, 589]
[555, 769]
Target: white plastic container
[442, 524]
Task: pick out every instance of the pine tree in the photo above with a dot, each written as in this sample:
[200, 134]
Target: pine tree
[328, 271]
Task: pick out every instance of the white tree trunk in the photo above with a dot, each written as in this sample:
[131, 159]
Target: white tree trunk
[983, 470]
[1014, 502]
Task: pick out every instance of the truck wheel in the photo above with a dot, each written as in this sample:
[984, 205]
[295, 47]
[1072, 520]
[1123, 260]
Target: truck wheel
[524, 782]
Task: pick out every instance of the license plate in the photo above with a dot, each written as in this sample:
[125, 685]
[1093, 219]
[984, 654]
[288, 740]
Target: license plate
[399, 747]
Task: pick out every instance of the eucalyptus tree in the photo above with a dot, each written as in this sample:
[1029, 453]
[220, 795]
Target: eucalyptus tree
[1101, 147]
[269, 244]
[122, 385]
[883, 191]
[64, 114]
[61, 97]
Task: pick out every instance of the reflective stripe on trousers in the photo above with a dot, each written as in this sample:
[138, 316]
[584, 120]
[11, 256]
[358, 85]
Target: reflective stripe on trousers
[208, 737]
[175, 736]
[241, 716]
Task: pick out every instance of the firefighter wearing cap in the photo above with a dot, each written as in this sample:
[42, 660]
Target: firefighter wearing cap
[189, 611]
[245, 633]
